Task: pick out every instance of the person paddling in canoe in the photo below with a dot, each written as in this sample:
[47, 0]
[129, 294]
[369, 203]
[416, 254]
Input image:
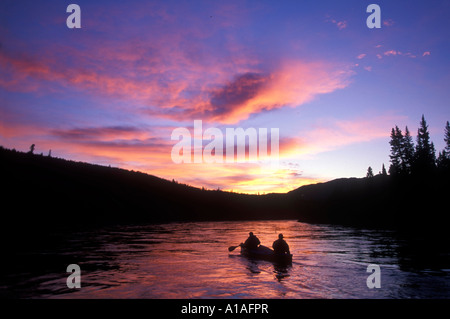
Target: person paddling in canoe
[280, 246]
[252, 242]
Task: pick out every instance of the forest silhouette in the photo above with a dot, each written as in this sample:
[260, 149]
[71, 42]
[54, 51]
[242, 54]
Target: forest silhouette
[44, 193]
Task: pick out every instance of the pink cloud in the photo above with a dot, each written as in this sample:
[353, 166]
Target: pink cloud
[388, 22]
[152, 155]
[362, 55]
[215, 92]
[341, 25]
[399, 53]
[116, 146]
[107, 133]
[392, 52]
[331, 134]
[291, 84]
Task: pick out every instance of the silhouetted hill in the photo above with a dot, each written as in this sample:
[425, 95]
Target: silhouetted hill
[50, 192]
[42, 193]
[403, 202]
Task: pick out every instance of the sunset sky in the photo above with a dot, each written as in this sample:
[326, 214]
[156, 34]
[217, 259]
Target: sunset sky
[113, 91]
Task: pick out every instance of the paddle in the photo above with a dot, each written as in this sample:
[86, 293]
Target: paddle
[231, 248]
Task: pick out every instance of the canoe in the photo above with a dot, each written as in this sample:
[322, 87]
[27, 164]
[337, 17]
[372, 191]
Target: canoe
[265, 253]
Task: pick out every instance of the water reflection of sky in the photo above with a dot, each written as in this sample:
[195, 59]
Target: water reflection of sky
[191, 260]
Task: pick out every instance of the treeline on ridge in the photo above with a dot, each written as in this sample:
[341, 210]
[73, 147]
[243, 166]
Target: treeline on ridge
[413, 196]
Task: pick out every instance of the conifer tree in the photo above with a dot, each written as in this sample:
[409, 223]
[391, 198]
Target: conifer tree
[383, 170]
[407, 152]
[369, 172]
[447, 139]
[425, 156]
[396, 151]
[443, 161]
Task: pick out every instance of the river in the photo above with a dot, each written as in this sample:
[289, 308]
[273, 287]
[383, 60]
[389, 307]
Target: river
[191, 260]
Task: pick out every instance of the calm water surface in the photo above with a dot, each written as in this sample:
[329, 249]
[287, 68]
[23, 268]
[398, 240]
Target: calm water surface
[191, 260]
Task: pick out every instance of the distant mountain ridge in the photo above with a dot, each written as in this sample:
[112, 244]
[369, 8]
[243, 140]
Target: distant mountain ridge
[49, 187]
[46, 192]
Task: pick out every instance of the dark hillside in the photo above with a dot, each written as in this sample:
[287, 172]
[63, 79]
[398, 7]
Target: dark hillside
[381, 201]
[42, 193]
[46, 191]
